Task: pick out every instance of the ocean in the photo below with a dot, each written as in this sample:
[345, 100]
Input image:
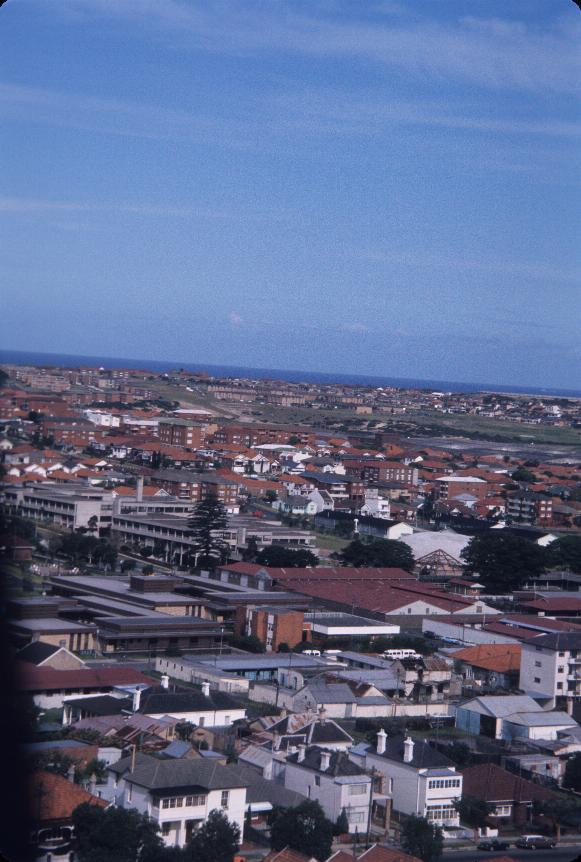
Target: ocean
[19, 357]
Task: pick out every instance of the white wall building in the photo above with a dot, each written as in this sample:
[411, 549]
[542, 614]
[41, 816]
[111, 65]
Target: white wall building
[420, 780]
[177, 794]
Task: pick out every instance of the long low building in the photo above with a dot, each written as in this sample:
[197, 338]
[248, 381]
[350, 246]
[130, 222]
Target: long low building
[172, 534]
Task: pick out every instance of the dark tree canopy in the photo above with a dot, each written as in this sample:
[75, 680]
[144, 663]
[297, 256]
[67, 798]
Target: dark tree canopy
[565, 553]
[286, 558]
[523, 475]
[378, 552]
[503, 561]
[216, 840]
[115, 833]
[208, 519]
[305, 829]
[419, 838]
[572, 777]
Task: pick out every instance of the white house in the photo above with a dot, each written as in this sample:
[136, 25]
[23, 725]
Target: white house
[420, 780]
[177, 794]
[333, 780]
[205, 708]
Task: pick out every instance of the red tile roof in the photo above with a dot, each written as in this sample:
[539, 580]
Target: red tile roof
[31, 678]
[54, 798]
[498, 657]
[493, 784]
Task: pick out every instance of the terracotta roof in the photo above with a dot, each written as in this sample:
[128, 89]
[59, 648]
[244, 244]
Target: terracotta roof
[287, 855]
[32, 678]
[493, 784]
[498, 657]
[54, 798]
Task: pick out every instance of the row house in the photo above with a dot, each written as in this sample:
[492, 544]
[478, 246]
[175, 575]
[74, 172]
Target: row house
[371, 470]
[187, 485]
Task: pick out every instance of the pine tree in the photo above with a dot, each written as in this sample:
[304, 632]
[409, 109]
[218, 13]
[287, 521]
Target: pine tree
[207, 548]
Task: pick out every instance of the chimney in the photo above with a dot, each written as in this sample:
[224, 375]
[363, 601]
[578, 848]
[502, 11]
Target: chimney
[322, 714]
[381, 740]
[164, 680]
[92, 783]
[408, 750]
[302, 752]
[325, 760]
[136, 699]
[71, 773]
[139, 489]
[206, 688]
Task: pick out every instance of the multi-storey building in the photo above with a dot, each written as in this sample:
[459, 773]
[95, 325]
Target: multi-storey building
[182, 432]
[177, 794]
[272, 626]
[528, 507]
[551, 666]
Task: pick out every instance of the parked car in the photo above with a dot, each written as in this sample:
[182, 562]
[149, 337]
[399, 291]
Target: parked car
[493, 844]
[535, 842]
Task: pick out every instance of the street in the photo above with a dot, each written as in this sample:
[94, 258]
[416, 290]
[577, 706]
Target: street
[565, 853]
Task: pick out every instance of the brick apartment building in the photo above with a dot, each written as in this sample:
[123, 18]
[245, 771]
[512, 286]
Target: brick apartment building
[187, 485]
[448, 487]
[272, 626]
[182, 432]
[527, 507]
[371, 470]
[247, 436]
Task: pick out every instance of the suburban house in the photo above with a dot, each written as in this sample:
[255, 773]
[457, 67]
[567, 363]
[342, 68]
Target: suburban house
[177, 794]
[205, 708]
[489, 665]
[509, 796]
[41, 654]
[286, 733]
[420, 779]
[52, 802]
[333, 780]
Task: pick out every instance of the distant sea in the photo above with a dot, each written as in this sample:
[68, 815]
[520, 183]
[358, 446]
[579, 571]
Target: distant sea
[18, 357]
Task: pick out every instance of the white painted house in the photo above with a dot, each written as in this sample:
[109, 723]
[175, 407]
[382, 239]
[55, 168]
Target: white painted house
[333, 780]
[177, 794]
[420, 780]
[205, 708]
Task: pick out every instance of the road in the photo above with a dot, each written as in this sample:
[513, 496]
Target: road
[564, 853]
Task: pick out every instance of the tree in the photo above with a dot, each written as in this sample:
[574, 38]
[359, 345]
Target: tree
[128, 565]
[55, 760]
[559, 809]
[419, 838]
[342, 823]
[270, 495]
[565, 553]
[208, 519]
[305, 829]
[93, 524]
[216, 840]
[184, 730]
[247, 642]
[503, 561]
[473, 811]
[378, 552]
[115, 833]
[250, 552]
[286, 558]
[523, 475]
[572, 778]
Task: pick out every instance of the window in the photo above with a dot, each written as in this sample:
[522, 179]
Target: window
[561, 669]
[502, 811]
[537, 679]
[173, 802]
[226, 719]
[201, 721]
[356, 817]
[538, 664]
[195, 800]
[559, 685]
[165, 828]
[357, 789]
[225, 798]
[318, 780]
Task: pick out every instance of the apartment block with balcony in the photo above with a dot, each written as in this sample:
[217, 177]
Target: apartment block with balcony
[551, 667]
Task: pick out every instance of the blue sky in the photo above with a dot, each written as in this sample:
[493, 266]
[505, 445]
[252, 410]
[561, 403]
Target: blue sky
[374, 187]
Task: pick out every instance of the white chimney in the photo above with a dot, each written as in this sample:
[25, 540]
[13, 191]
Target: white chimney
[136, 699]
[381, 740]
[206, 688]
[322, 714]
[408, 750]
[302, 752]
[164, 680]
[325, 760]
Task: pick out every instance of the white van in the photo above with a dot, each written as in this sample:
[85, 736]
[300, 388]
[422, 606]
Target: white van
[401, 653]
[315, 652]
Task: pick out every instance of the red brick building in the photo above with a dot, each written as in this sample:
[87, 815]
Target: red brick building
[182, 432]
[272, 626]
